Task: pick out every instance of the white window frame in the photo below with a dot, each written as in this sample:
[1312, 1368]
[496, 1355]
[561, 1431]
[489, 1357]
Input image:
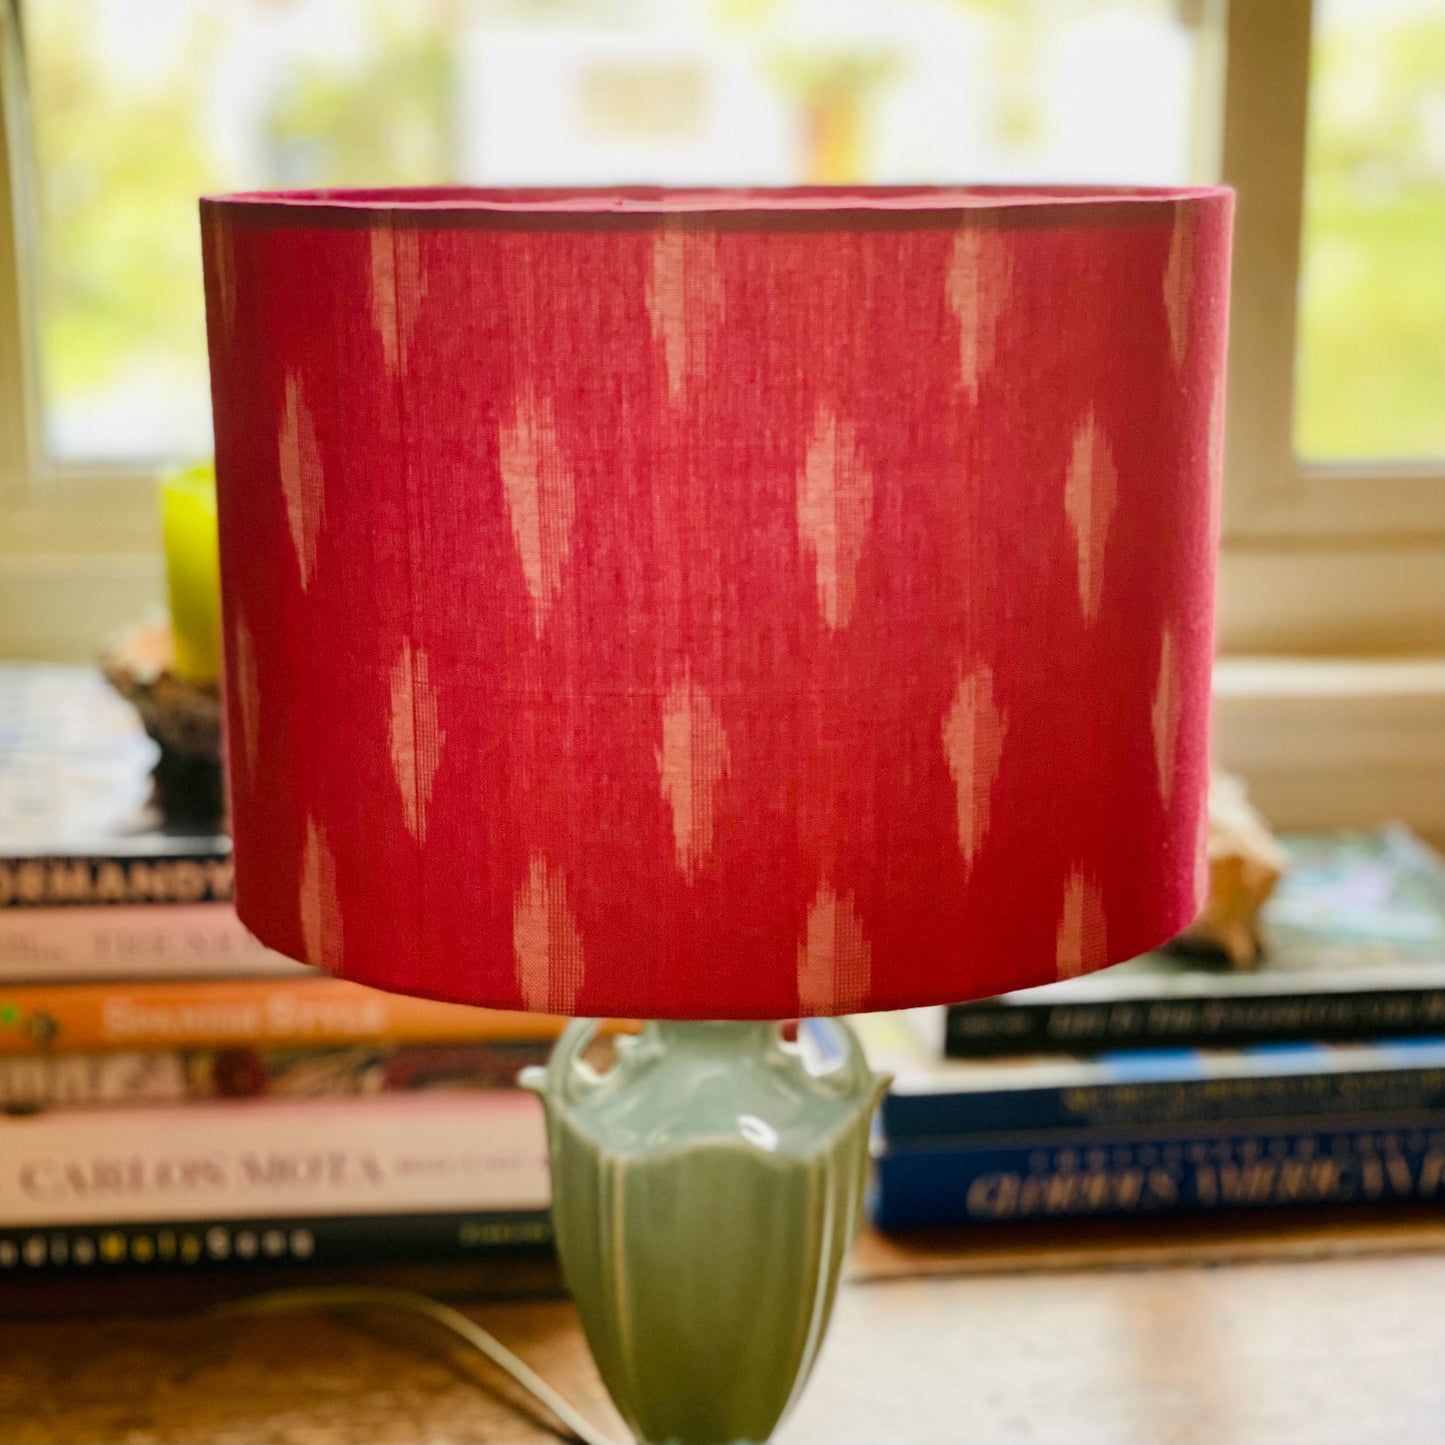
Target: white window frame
[1272, 493]
[1342, 559]
[17, 320]
[79, 548]
[1315, 558]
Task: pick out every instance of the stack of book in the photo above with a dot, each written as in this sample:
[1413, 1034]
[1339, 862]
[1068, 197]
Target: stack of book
[175, 1094]
[1167, 1085]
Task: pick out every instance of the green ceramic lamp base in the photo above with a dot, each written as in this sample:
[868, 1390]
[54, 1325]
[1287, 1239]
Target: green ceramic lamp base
[705, 1191]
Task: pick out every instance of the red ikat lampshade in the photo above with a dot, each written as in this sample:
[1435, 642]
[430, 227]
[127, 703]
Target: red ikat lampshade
[717, 604]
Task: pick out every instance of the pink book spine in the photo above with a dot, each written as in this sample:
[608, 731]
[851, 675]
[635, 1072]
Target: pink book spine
[268, 1159]
[132, 940]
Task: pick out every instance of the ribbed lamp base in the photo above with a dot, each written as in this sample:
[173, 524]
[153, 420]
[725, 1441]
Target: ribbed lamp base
[705, 1192]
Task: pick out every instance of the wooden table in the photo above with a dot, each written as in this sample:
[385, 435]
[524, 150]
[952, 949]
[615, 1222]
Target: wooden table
[1318, 1329]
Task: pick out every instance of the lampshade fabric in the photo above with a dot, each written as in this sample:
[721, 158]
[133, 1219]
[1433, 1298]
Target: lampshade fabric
[717, 604]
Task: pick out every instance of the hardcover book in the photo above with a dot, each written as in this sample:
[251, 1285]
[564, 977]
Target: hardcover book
[986, 1179]
[221, 1013]
[395, 1176]
[31, 1082]
[327, 1240]
[76, 825]
[129, 941]
[1355, 949]
[1375, 1084]
[392, 1154]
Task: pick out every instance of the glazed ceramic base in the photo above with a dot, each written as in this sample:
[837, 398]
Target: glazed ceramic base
[705, 1191]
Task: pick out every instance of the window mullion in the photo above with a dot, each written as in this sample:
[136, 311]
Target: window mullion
[19, 431]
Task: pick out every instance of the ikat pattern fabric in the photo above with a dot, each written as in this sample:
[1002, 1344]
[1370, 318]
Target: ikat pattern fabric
[717, 605]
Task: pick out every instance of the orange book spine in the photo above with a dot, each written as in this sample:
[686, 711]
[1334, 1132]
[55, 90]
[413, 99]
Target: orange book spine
[220, 1013]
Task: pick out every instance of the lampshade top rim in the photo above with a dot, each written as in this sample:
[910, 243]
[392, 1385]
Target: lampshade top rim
[604, 201]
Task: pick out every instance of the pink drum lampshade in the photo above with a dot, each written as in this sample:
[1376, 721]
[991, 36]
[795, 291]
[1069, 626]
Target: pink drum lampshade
[717, 604]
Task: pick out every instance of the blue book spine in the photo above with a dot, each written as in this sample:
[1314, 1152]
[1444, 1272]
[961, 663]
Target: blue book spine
[1155, 1088]
[1008, 1178]
[996, 1028]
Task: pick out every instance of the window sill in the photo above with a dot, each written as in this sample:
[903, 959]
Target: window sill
[1330, 742]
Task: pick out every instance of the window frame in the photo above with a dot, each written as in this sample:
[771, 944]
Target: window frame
[1273, 494]
[17, 320]
[1313, 558]
[80, 552]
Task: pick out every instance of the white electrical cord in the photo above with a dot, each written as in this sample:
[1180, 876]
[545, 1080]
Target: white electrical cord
[311, 1301]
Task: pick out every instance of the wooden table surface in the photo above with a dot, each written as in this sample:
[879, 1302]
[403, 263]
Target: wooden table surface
[1307, 1332]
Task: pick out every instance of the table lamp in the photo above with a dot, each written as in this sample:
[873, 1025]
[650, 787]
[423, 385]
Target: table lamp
[711, 608]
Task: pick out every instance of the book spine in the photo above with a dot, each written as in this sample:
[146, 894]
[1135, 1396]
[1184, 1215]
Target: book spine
[149, 1015]
[1382, 1093]
[85, 880]
[989, 1029]
[183, 1244]
[1069, 1177]
[30, 1082]
[455, 1152]
[184, 940]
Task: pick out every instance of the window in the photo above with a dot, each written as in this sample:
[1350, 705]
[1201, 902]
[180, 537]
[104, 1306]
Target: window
[1337, 493]
[1334, 500]
[137, 109]
[1371, 374]
[1336, 555]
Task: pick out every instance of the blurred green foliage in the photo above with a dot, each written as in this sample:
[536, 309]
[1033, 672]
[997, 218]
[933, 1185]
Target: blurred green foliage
[1371, 376]
[120, 263]
[123, 156]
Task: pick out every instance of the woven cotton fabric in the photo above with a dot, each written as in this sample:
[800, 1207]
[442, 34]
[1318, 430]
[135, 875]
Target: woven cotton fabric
[738, 604]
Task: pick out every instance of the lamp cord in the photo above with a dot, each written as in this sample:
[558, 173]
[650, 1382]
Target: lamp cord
[343, 1300]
